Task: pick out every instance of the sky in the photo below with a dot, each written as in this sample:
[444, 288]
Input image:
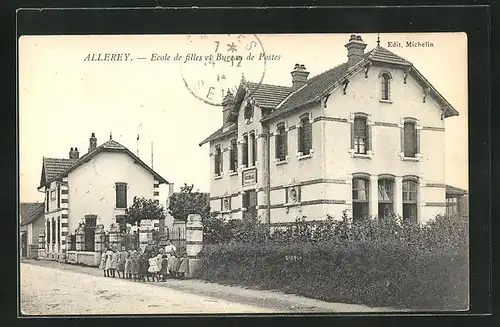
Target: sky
[64, 98]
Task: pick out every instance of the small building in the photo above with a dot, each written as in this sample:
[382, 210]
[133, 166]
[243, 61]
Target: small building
[94, 189]
[31, 224]
[365, 137]
[457, 202]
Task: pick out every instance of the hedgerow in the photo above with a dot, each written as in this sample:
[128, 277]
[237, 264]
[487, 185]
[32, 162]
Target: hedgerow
[378, 262]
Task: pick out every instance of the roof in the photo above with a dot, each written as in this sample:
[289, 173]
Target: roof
[267, 95]
[452, 190]
[282, 100]
[220, 133]
[61, 167]
[30, 211]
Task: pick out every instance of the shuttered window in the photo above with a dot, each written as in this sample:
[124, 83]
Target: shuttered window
[385, 86]
[410, 141]
[385, 197]
[245, 151]
[253, 143]
[410, 200]
[218, 160]
[360, 198]
[305, 135]
[281, 143]
[360, 135]
[121, 195]
[233, 154]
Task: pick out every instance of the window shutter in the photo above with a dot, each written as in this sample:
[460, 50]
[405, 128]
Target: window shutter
[402, 139]
[284, 143]
[277, 149]
[221, 162]
[417, 141]
[368, 140]
[298, 194]
[299, 138]
[307, 137]
[287, 189]
[352, 135]
[254, 149]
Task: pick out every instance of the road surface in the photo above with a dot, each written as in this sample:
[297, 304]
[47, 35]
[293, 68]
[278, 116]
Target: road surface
[49, 291]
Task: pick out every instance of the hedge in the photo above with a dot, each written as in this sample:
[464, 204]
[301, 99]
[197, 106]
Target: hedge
[426, 270]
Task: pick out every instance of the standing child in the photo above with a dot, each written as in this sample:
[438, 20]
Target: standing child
[183, 267]
[127, 269]
[134, 266]
[176, 266]
[109, 254]
[164, 267]
[102, 265]
[153, 269]
[121, 263]
[171, 264]
[114, 262]
[143, 268]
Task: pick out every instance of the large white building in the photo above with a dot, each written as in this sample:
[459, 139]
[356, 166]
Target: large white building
[367, 136]
[94, 189]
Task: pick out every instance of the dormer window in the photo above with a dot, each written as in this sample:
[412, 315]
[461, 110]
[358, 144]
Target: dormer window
[248, 113]
[385, 86]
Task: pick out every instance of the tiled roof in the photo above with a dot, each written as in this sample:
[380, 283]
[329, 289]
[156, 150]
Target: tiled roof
[220, 133]
[384, 55]
[452, 190]
[315, 87]
[53, 167]
[59, 167]
[30, 211]
[267, 95]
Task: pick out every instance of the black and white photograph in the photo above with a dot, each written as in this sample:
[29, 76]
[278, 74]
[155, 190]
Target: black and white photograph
[243, 173]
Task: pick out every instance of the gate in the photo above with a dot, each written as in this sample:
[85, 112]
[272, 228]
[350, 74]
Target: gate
[90, 226]
[177, 235]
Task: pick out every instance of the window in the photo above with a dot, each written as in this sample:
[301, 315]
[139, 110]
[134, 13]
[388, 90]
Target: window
[225, 204]
[121, 195]
[245, 150]
[410, 200]
[48, 230]
[360, 196]
[52, 195]
[58, 233]
[248, 113]
[385, 80]
[250, 204]
[360, 132]
[58, 196]
[47, 201]
[385, 197]
[254, 148]
[53, 228]
[233, 154]
[452, 206]
[281, 142]
[218, 160]
[410, 143]
[122, 222]
[305, 135]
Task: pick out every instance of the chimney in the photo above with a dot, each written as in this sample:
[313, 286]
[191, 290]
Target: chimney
[71, 153]
[227, 104]
[355, 49]
[76, 153]
[92, 142]
[299, 77]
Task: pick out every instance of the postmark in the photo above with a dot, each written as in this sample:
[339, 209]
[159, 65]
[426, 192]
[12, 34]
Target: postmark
[214, 64]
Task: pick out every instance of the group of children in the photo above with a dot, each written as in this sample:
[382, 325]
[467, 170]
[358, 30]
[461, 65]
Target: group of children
[141, 266]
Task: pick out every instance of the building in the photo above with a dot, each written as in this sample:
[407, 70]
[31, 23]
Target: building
[31, 223]
[93, 189]
[457, 202]
[366, 136]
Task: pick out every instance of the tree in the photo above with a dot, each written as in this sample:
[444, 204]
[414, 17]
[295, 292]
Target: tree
[143, 208]
[188, 202]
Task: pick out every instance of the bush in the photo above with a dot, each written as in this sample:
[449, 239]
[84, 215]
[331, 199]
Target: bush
[379, 262]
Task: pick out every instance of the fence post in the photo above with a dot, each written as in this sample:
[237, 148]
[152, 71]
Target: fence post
[80, 239]
[98, 238]
[194, 242]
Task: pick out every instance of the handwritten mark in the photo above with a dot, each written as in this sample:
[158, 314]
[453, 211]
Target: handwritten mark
[232, 47]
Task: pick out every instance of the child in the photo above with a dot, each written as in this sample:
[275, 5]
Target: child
[109, 254]
[171, 264]
[176, 265]
[121, 263]
[153, 268]
[183, 267]
[164, 267]
[134, 266]
[102, 265]
[127, 269]
[114, 262]
[143, 268]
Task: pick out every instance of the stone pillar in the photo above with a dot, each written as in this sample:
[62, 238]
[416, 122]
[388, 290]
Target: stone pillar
[144, 234]
[398, 196]
[373, 193]
[80, 239]
[114, 230]
[194, 242]
[99, 238]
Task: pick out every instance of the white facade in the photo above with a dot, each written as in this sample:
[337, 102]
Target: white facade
[324, 177]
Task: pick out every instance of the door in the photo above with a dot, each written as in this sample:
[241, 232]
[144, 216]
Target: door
[90, 225]
[250, 203]
[24, 245]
